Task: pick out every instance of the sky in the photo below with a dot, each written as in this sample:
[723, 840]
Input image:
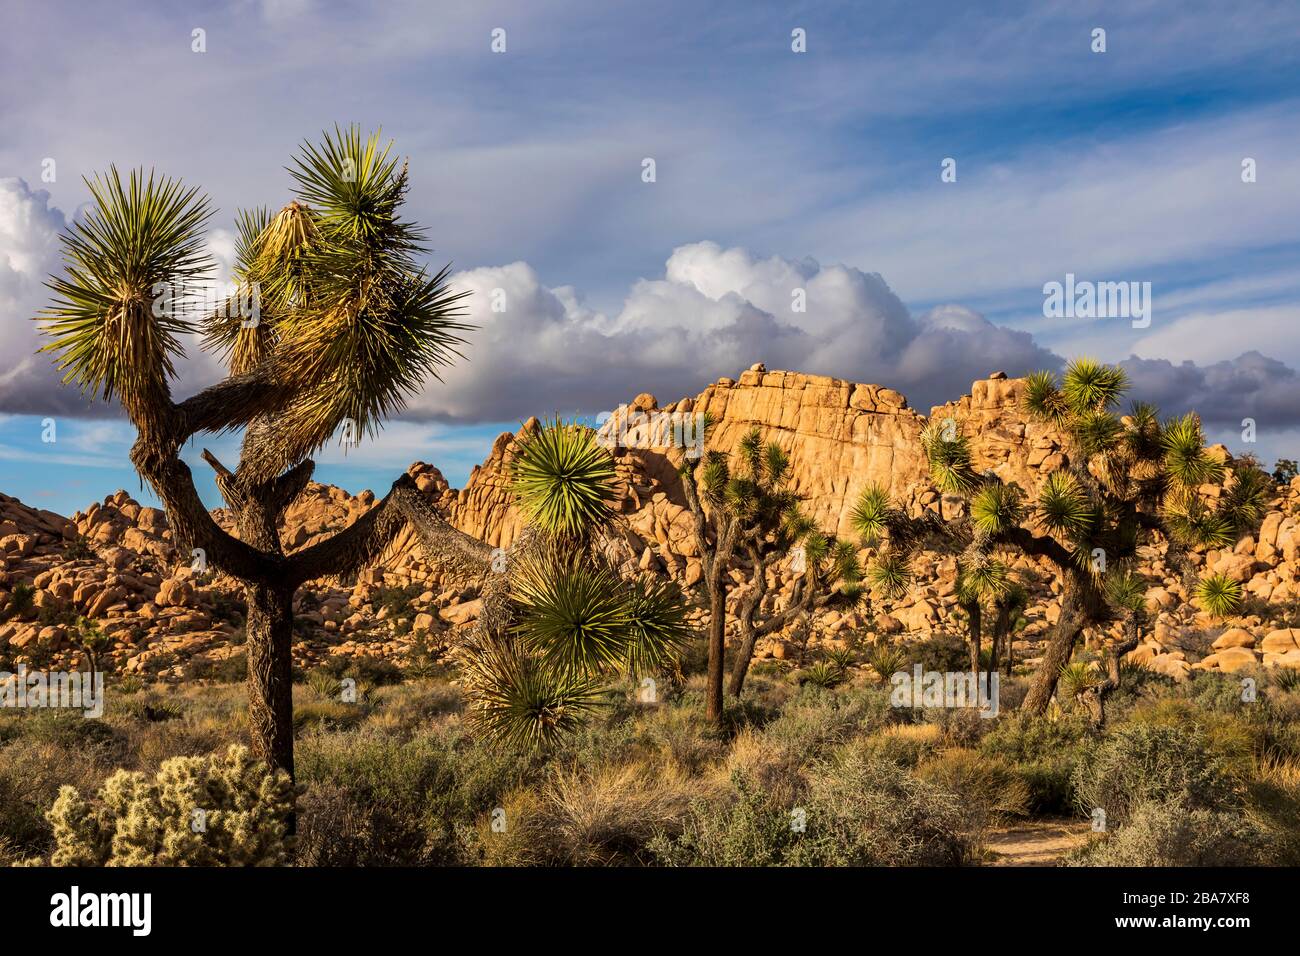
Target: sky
[921, 171]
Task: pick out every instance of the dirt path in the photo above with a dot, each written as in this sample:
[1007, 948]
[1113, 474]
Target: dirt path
[1041, 843]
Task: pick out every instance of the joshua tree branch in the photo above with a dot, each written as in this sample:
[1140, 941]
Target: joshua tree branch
[365, 539]
[232, 402]
[191, 522]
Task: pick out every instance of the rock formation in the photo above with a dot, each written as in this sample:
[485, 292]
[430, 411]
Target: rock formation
[116, 564]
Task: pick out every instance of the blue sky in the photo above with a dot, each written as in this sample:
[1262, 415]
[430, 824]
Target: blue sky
[774, 169]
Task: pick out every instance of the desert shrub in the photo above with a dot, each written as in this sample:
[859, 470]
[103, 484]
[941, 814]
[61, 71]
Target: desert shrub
[19, 603]
[859, 811]
[331, 714]
[376, 671]
[990, 788]
[959, 726]
[1285, 679]
[137, 820]
[23, 826]
[397, 599]
[867, 812]
[228, 670]
[1214, 691]
[938, 652]
[1142, 763]
[600, 817]
[128, 684]
[1280, 732]
[70, 731]
[228, 606]
[1275, 804]
[1044, 753]
[1233, 736]
[903, 744]
[815, 718]
[78, 549]
[426, 656]
[152, 708]
[406, 801]
[683, 737]
[1172, 833]
[743, 829]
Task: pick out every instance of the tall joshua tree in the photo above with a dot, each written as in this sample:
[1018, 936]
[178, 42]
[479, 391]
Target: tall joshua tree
[749, 511]
[345, 325]
[1127, 481]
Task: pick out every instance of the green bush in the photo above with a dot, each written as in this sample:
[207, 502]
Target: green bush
[859, 811]
[376, 671]
[938, 652]
[1044, 754]
[374, 798]
[221, 810]
[1141, 763]
[1172, 833]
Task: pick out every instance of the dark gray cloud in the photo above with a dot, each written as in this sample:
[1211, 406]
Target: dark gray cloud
[1251, 385]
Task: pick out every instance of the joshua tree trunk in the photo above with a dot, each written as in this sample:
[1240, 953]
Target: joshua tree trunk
[974, 622]
[1080, 605]
[717, 645]
[1094, 698]
[270, 673]
[740, 666]
[1002, 653]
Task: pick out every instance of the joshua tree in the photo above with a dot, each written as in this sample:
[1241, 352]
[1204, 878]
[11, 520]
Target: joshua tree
[344, 325]
[750, 510]
[1007, 608]
[735, 504]
[1127, 481]
[828, 575]
[91, 641]
[564, 612]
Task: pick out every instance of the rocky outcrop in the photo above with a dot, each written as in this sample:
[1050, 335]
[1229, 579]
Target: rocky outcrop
[116, 563]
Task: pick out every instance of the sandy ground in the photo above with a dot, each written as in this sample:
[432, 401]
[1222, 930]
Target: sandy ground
[1041, 843]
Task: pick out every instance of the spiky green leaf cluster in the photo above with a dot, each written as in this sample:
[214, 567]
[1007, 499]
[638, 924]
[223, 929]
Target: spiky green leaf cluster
[1063, 507]
[657, 626]
[873, 515]
[947, 450]
[1124, 589]
[1219, 595]
[518, 702]
[1090, 386]
[996, 507]
[890, 575]
[133, 265]
[981, 581]
[563, 479]
[574, 614]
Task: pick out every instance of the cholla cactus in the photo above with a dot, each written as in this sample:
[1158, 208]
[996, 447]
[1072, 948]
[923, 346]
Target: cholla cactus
[226, 809]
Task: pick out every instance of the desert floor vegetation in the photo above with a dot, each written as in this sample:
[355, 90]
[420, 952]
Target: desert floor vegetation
[799, 773]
